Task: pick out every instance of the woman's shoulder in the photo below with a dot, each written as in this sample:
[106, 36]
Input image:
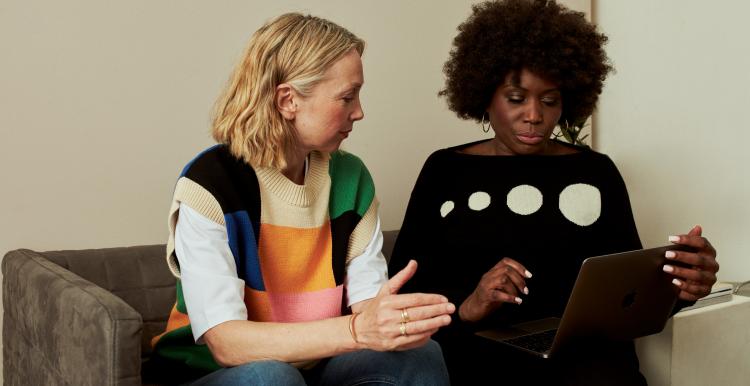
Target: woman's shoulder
[451, 153]
[220, 173]
[206, 160]
[577, 152]
[348, 169]
[464, 152]
[460, 149]
[342, 158]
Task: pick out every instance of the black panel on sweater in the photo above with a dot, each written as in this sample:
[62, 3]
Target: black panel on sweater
[231, 182]
[343, 226]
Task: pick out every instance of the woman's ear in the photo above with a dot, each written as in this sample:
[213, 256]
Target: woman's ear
[285, 101]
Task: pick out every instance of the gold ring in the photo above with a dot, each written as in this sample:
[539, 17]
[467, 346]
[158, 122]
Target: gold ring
[404, 316]
[403, 329]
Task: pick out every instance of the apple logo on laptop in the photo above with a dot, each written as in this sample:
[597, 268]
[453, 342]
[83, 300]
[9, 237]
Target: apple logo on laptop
[629, 299]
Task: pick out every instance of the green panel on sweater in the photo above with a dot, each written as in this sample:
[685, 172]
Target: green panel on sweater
[180, 298]
[351, 185]
[178, 345]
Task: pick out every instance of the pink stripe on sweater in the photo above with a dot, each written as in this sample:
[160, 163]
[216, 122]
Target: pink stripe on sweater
[306, 306]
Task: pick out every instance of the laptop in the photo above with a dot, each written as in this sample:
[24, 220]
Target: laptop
[620, 296]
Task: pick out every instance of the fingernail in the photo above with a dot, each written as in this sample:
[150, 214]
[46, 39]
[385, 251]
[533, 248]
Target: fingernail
[668, 268]
[451, 307]
[526, 290]
[528, 274]
[519, 300]
[674, 239]
[670, 255]
[676, 282]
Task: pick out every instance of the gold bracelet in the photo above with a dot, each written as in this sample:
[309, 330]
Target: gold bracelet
[352, 331]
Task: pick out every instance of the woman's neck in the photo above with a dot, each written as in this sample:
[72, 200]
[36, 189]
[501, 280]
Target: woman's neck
[295, 168]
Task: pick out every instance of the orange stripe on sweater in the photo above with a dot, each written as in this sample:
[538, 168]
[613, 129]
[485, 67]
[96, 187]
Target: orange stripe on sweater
[296, 259]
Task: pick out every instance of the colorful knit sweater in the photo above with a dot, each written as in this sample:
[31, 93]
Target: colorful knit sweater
[290, 243]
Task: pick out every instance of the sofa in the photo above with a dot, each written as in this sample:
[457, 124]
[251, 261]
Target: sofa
[86, 317]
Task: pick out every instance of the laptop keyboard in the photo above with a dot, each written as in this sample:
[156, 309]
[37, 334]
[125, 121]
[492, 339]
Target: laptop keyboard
[539, 342]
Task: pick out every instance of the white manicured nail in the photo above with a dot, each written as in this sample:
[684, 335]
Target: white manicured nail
[528, 274]
[519, 300]
[668, 268]
[676, 282]
[526, 290]
[670, 255]
[674, 239]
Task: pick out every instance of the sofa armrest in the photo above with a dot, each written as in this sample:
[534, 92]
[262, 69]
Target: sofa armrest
[61, 329]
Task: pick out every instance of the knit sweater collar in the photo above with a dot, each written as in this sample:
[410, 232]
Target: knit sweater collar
[298, 195]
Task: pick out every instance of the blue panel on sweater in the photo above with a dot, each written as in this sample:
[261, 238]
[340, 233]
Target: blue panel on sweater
[244, 248]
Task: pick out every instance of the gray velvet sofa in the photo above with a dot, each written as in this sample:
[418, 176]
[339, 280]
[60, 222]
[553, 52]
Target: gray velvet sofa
[86, 317]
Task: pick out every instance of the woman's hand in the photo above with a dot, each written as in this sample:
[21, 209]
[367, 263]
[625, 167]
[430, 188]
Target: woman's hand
[392, 321]
[501, 284]
[694, 282]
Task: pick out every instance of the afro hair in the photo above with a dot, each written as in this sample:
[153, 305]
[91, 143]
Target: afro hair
[502, 37]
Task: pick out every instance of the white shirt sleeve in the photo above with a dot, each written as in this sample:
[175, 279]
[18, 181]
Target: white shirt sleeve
[213, 292]
[367, 272]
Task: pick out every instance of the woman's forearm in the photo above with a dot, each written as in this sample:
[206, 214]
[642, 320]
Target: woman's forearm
[382, 325]
[237, 342]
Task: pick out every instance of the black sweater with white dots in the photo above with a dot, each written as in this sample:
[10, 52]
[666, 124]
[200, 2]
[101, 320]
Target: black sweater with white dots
[549, 213]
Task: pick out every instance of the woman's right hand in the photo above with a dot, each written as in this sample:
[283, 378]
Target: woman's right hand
[503, 283]
[379, 325]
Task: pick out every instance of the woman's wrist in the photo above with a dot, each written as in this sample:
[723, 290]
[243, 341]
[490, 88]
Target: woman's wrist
[354, 325]
[467, 310]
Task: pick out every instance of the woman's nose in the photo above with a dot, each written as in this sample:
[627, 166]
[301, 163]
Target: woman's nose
[358, 113]
[534, 113]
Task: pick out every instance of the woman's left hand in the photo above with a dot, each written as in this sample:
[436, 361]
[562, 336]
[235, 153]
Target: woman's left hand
[695, 280]
[395, 322]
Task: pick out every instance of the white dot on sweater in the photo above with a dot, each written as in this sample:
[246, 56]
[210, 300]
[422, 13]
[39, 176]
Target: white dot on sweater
[581, 204]
[479, 200]
[446, 208]
[524, 199]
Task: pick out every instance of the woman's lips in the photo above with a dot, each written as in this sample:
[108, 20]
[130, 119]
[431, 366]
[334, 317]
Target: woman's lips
[530, 139]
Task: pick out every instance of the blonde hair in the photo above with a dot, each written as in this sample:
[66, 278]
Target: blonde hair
[292, 48]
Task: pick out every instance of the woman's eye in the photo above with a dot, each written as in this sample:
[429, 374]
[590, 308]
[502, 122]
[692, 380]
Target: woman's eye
[515, 99]
[550, 101]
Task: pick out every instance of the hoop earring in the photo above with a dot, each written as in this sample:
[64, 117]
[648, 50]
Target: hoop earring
[487, 128]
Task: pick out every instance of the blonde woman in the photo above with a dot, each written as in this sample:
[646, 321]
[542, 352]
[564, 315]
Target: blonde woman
[275, 236]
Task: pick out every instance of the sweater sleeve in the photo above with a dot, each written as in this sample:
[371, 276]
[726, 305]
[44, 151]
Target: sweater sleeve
[412, 235]
[622, 224]
[629, 239]
[416, 240]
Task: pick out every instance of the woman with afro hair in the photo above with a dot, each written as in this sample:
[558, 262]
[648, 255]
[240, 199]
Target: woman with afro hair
[501, 226]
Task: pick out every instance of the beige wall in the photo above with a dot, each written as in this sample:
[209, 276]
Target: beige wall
[103, 103]
[671, 118]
